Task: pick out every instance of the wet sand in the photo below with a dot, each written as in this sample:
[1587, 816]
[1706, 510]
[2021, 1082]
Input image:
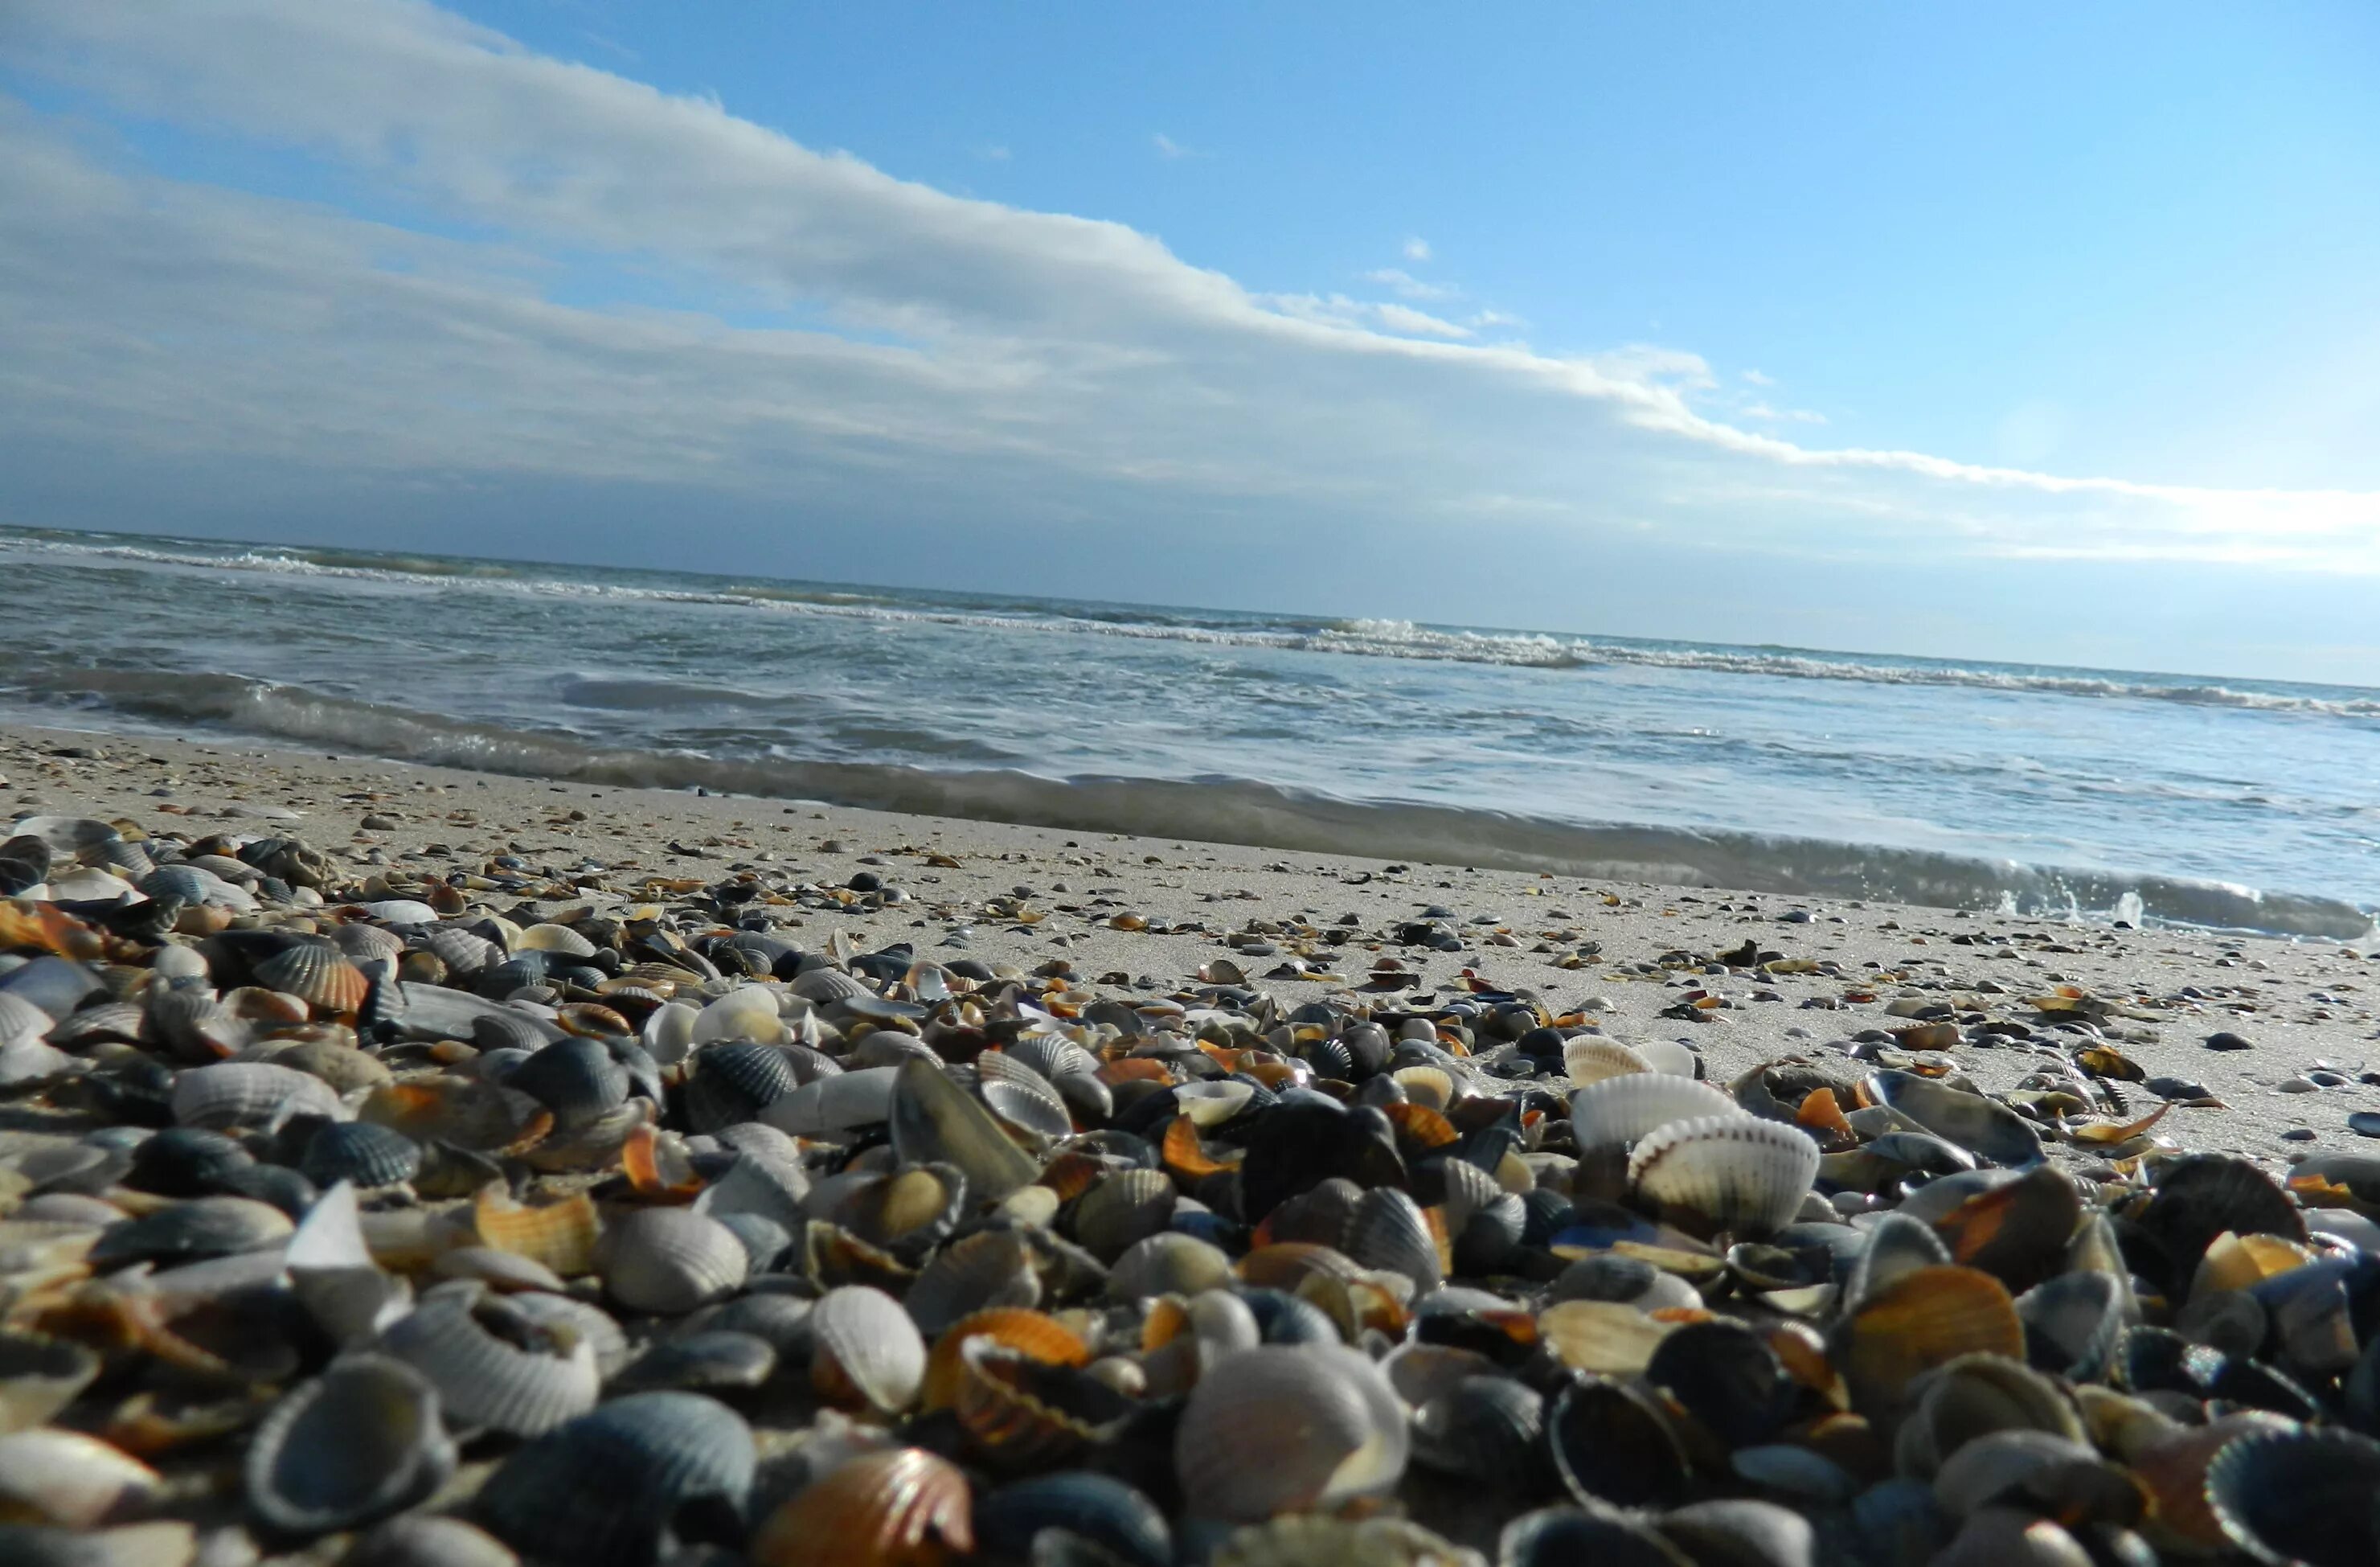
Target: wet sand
[1630, 953]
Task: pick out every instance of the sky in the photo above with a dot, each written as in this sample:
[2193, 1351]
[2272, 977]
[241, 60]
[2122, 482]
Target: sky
[2033, 331]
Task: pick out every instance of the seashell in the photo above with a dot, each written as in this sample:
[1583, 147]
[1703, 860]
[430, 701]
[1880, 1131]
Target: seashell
[1125, 1208]
[2071, 1323]
[557, 939]
[71, 1479]
[1314, 1541]
[1619, 1111]
[465, 953]
[1737, 1529]
[667, 1033]
[868, 1352]
[1897, 1246]
[198, 1228]
[989, 1269]
[369, 943]
[1590, 1058]
[591, 1324]
[577, 1079]
[1602, 1338]
[505, 1029]
[359, 1152]
[333, 1274]
[1990, 1467]
[1021, 1099]
[834, 1109]
[1985, 1127]
[1731, 1172]
[1030, 1333]
[1022, 1412]
[669, 1260]
[749, 1013]
[1921, 1319]
[560, 1236]
[190, 884]
[1426, 1086]
[1388, 1230]
[319, 975]
[1974, 1396]
[1613, 1447]
[357, 1443]
[733, 1083]
[1168, 1264]
[2017, 1232]
[2009, 1536]
[1724, 1376]
[715, 1359]
[494, 1365]
[1281, 1430]
[1553, 1536]
[475, 1117]
[428, 1539]
[2197, 1199]
[196, 1025]
[1118, 1523]
[935, 1122]
[901, 1508]
[1484, 1429]
[39, 1377]
[2299, 1496]
[610, 1487]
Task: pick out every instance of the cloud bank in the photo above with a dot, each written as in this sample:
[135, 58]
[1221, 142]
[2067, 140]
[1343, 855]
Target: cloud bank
[532, 268]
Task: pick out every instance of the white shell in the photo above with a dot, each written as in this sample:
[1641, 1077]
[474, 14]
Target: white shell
[1288, 1428]
[748, 1011]
[671, 1260]
[1741, 1174]
[832, 1106]
[1591, 1058]
[1618, 1110]
[668, 1033]
[249, 1094]
[863, 1336]
[484, 1378]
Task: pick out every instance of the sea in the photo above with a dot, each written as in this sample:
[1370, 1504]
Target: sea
[2002, 789]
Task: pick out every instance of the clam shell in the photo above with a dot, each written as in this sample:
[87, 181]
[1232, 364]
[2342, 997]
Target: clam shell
[934, 1122]
[319, 975]
[1281, 1430]
[1116, 1520]
[577, 1079]
[866, 1351]
[1591, 1058]
[1312, 1541]
[2071, 1323]
[603, 1489]
[196, 1025]
[1618, 1110]
[475, 1117]
[1124, 1208]
[357, 1443]
[733, 1082]
[591, 1324]
[562, 1235]
[833, 1108]
[669, 1260]
[201, 1227]
[978, 1272]
[1388, 1230]
[1729, 1173]
[428, 1539]
[1033, 1333]
[356, 1150]
[1979, 1395]
[1925, 1318]
[465, 953]
[557, 939]
[904, 1508]
[68, 1478]
[1726, 1378]
[1613, 1447]
[520, 1375]
[1484, 1429]
[1168, 1264]
[1983, 1126]
[1022, 1412]
[333, 1274]
[2299, 1496]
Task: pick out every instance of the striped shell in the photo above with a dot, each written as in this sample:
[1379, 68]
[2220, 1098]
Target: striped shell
[494, 1365]
[465, 952]
[1283, 1428]
[1388, 1230]
[866, 1351]
[671, 1260]
[356, 1150]
[1618, 1110]
[368, 944]
[1927, 1316]
[990, 1267]
[602, 1490]
[560, 939]
[1591, 1058]
[904, 1508]
[249, 1094]
[561, 1236]
[195, 1025]
[577, 1078]
[1728, 1172]
[319, 975]
[1127, 1207]
[1033, 1333]
[357, 1443]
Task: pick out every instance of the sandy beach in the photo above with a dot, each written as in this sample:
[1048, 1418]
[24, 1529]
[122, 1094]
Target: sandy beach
[1622, 950]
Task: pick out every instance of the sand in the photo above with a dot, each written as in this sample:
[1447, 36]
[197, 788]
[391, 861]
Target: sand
[2304, 1006]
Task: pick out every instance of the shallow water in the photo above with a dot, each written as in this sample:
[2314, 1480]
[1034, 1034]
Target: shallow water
[2240, 802]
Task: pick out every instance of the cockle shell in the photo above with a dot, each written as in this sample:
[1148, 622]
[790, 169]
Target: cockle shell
[1730, 1172]
[1283, 1429]
[359, 1442]
[867, 1350]
[669, 1260]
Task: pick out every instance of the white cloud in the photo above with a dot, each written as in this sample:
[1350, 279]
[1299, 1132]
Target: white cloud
[1756, 378]
[1792, 416]
[1169, 147]
[1407, 287]
[840, 334]
[1416, 249]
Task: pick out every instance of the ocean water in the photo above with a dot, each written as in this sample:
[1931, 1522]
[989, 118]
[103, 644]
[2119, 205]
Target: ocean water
[2242, 804]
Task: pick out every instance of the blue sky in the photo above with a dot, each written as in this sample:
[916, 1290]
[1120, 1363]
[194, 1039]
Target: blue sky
[2033, 331]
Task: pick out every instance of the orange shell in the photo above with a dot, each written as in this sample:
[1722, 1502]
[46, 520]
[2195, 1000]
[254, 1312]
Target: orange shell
[1135, 1069]
[1004, 1409]
[906, 1508]
[560, 1234]
[1285, 1265]
[1186, 1156]
[1823, 1119]
[642, 1159]
[1033, 1333]
[1419, 1127]
[1071, 1174]
[594, 1021]
[475, 1116]
[1921, 1320]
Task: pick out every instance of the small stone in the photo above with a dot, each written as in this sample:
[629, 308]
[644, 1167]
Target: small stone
[2297, 1135]
[2227, 1040]
[379, 824]
[2300, 1086]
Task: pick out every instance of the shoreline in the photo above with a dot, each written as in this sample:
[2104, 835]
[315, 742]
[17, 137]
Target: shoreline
[1577, 943]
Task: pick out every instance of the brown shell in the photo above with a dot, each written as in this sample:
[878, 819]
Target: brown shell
[906, 1508]
[1419, 1127]
[562, 1234]
[1023, 1411]
[1287, 1264]
[594, 1021]
[1186, 1156]
[1925, 1318]
[478, 1117]
[1034, 1333]
[319, 975]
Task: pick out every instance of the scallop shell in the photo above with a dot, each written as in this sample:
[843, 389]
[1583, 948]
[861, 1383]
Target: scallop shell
[1388, 1230]
[978, 1272]
[561, 1236]
[319, 975]
[523, 1377]
[1591, 1058]
[371, 943]
[1127, 1207]
[356, 1150]
[733, 1083]
[1618, 1110]
[1926, 1317]
[1168, 1264]
[671, 1260]
[559, 939]
[357, 1443]
[601, 1490]
[1021, 1098]
[1283, 1429]
[577, 1079]
[1728, 1172]
[867, 1351]
[904, 1508]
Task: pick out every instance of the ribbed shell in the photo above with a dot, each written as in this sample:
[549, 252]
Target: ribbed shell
[593, 1326]
[1592, 1057]
[1926, 1317]
[1124, 1208]
[249, 1094]
[1618, 1110]
[319, 975]
[1022, 1098]
[577, 1079]
[368, 1154]
[196, 1024]
[489, 1378]
[1388, 1230]
[671, 1260]
[1034, 1333]
[1730, 1172]
[1283, 1428]
[560, 939]
[733, 1082]
[906, 1508]
[20, 1020]
[990, 1267]
[1168, 1264]
[600, 1490]
[866, 1351]
[357, 1443]
[562, 1235]
[369, 943]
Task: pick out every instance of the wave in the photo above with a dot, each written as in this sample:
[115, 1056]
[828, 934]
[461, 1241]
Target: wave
[1218, 809]
[1359, 636]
